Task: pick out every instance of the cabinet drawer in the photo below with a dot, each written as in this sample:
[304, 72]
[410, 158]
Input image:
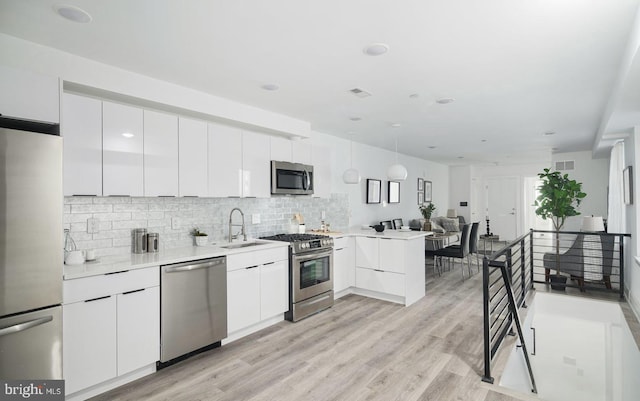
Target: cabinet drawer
[341, 242]
[255, 258]
[271, 255]
[381, 281]
[85, 288]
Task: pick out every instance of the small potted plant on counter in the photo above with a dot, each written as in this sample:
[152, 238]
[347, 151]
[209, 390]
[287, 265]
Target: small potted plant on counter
[427, 210]
[559, 197]
[202, 238]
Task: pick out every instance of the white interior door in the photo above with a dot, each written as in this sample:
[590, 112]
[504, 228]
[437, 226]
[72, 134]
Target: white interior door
[502, 206]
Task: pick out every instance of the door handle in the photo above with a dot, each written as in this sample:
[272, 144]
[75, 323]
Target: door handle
[25, 325]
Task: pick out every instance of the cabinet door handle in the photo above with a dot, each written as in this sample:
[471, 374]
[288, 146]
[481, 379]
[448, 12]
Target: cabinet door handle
[25, 325]
[251, 267]
[123, 271]
[131, 292]
[97, 299]
[268, 263]
[378, 270]
[84, 195]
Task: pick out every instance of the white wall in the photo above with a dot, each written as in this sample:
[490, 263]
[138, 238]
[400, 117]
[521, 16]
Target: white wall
[373, 163]
[632, 268]
[594, 176]
[460, 191]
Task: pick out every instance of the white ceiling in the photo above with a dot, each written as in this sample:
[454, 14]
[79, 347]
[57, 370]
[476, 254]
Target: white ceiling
[516, 69]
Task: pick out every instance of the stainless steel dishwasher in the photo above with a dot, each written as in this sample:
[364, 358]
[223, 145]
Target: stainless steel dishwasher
[193, 308]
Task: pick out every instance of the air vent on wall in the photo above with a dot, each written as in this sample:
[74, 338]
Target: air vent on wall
[360, 92]
[565, 165]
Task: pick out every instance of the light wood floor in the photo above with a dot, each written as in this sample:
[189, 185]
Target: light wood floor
[361, 349]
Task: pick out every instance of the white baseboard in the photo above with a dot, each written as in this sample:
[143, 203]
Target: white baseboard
[238, 334]
[111, 384]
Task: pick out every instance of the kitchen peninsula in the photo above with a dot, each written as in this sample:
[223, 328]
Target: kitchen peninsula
[387, 265]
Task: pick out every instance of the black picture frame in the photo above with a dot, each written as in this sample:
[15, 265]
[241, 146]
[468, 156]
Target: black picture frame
[420, 198]
[374, 191]
[393, 192]
[420, 184]
[428, 191]
[627, 178]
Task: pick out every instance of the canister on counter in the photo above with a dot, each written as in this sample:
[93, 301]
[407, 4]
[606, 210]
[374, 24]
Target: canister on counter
[153, 242]
[139, 240]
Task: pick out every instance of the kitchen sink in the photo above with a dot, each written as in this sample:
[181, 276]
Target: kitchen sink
[236, 245]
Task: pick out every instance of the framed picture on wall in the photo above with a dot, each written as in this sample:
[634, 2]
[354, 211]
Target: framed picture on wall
[420, 185]
[427, 191]
[627, 177]
[373, 190]
[420, 198]
[393, 192]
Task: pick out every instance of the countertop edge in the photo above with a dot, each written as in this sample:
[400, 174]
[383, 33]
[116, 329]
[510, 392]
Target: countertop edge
[112, 264]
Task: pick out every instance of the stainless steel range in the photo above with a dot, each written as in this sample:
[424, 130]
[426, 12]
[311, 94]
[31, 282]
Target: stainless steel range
[310, 273]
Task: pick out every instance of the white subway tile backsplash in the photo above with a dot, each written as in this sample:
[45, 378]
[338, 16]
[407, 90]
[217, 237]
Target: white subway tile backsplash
[91, 208]
[174, 218]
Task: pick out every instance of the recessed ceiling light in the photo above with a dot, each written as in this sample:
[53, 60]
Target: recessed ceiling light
[376, 49]
[396, 125]
[414, 95]
[355, 118]
[270, 87]
[432, 147]
[549, 133]
[72, 13]
[445, 100]
[127, 135]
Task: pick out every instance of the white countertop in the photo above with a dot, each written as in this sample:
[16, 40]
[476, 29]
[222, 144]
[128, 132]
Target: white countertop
[111, 264]
[370, 232]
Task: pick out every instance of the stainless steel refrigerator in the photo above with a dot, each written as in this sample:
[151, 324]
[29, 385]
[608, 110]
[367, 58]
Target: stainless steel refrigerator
[31, 254]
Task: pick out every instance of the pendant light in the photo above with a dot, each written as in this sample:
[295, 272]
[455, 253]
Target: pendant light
[351, 175]
[397, 172]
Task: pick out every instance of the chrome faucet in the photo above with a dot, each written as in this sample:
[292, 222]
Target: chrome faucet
[244, 232]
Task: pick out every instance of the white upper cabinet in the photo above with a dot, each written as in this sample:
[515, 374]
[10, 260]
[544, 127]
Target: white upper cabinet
[122, 151]
[256, 165]
[82, 133]
[160, 154]
[27, 95]
[225, 161]
[321, 157]
[280, 149]
[192, 158]
[301, 151]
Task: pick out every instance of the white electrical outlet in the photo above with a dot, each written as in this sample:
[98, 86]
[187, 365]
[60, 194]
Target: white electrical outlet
[324, 215]
[93, 225]
[255, 218]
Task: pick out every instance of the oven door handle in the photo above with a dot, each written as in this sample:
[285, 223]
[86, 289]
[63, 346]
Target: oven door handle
[312, 255]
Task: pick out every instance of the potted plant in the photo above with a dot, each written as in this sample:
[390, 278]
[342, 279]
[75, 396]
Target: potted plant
[559, 197]
[427, 210]
[201, 238]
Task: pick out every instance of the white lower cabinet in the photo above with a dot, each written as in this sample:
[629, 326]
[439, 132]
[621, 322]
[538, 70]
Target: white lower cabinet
[257, 287]
[344, 274]
[89, 350]
[243, 298]
[388, 266]
[111, 326]
[138, 316]
[380, 281]
[274, 294]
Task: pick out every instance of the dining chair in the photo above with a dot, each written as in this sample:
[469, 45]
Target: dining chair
[474, 236]
[397, 224]
[458, 252]
[387, 224]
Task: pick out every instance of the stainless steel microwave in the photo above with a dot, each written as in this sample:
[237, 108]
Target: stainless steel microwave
[291, 178]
